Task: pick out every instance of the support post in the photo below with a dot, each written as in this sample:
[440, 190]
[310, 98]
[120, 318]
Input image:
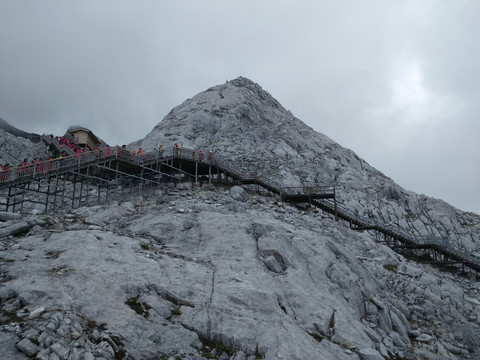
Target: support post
[99, 188]
[88, 185]
[23, 196]
[123, 186]
[55, 194]
[335, 202]
[81, 190]
[64, 187]
[48, 194]
[116, 182]
[15, 197]
[196, 171]
[74, 190]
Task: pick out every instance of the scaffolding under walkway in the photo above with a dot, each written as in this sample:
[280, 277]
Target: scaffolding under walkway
[440, 249]
[96, 177]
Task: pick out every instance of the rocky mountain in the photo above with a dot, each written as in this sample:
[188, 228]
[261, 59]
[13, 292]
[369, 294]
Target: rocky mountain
[4, 125]
[186, 272]
[14, 149]
[244, 124]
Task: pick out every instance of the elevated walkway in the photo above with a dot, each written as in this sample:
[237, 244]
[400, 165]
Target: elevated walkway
[291, 194]
[51, 141]
[113, 173]
[440, 248]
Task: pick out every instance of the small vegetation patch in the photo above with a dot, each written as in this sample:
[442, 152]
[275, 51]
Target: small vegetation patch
[52, 254]
[59, 270]
[117, 346]
[177, 311]
[92, 324]
[139, 307]
[218, 351]
[145, 246]
[391, 267]
[7, 317]
[316, 336]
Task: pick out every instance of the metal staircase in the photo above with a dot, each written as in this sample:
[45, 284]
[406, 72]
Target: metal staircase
[116, 172]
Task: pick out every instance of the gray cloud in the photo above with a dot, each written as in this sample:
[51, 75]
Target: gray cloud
[397, 82]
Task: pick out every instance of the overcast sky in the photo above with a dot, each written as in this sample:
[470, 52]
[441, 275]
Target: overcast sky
[398, 82]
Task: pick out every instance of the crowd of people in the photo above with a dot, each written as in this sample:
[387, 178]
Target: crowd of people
[40, 165]
[64, 141]
[28, 167]
[179, 152]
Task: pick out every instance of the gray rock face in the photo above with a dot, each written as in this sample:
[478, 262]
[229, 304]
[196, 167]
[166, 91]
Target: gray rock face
[370, 354]
[261, 280]
[27, 347]
[244, 125]
[14, 149]
[239, 193]
[211, 272]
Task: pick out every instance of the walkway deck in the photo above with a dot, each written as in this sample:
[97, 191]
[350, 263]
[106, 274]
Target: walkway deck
[116, 173]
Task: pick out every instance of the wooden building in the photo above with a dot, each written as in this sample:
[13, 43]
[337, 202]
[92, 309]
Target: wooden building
[84, 137]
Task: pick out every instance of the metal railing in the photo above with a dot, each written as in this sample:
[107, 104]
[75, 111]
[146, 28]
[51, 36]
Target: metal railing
[81, 159]
[441, 242]
[309, 190]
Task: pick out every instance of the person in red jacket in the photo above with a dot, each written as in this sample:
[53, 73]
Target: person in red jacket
[48, 166]
[23, 167]
[4, 175]
[39, 166]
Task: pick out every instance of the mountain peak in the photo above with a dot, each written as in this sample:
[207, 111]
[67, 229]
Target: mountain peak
[242, 81]
[243, 124]
[238, 91]
[237, 117]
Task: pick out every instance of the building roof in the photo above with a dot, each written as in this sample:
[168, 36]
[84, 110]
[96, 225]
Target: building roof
[74, 129]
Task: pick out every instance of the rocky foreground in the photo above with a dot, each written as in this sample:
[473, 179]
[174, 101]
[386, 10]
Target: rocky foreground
[188, 273]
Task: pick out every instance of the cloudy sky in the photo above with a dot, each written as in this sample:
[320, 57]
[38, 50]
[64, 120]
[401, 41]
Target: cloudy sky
[396, 81]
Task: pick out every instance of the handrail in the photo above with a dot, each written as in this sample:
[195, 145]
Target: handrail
[43, 167]
[60, 148]
[442, 242]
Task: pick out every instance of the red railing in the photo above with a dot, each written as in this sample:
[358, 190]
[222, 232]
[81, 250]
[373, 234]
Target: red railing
[42, 167]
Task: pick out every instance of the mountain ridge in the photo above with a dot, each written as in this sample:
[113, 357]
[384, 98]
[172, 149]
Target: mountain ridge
[242, 123]
[230, 273]
[14, 131]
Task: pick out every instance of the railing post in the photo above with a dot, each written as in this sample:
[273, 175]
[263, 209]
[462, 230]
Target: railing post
[196, 171]
[335, 202]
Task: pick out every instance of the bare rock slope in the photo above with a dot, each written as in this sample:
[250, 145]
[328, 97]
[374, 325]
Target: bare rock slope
[228, 273]
[243, 123]
[14, 149]
[197, 274]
